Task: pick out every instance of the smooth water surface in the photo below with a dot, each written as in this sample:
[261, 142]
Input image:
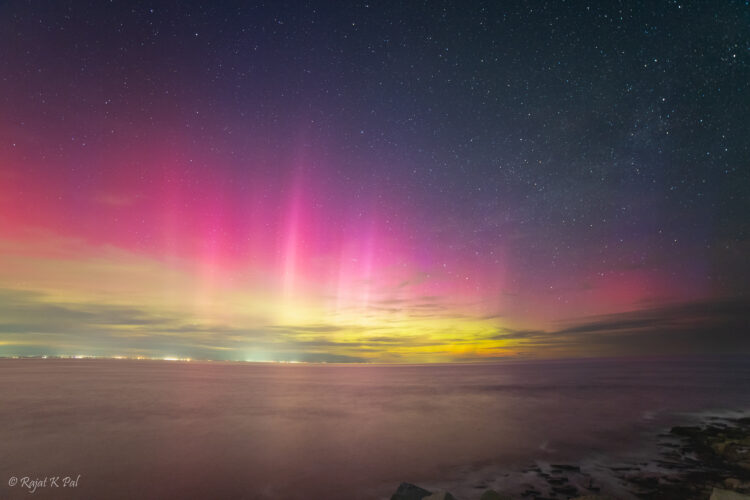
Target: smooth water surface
[153, 429]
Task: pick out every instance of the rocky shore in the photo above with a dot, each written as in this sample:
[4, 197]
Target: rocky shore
[706, 461]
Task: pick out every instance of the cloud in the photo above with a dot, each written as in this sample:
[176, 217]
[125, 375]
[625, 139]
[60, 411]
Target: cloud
[330, 358]
[623, 323]
[35, 322]
[425, 306]
[309, 328]
[26, 311]
[32, 322]
[32, 318]
[511, 334]
[694, 327]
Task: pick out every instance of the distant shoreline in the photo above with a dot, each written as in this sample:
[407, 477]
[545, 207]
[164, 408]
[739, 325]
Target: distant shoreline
[478, 362]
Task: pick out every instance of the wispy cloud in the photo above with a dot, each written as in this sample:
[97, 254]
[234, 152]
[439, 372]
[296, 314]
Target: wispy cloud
[35, 322]
[692, 327]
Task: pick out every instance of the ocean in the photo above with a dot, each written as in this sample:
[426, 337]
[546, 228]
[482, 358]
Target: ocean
[160, 429]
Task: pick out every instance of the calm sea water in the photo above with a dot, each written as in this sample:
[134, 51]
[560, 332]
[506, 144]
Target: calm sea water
[150, 429]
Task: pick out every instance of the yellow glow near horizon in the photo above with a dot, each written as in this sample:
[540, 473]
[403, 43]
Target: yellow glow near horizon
[110, 301]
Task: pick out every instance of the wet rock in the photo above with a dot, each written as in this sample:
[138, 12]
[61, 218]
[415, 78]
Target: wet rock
[572, 468]
[708, 461]
[719, 494]
[686, 431]
[408, 491]
[567, 490]
[736, 484]
[720, 448]
[625, 469]
[730, 449]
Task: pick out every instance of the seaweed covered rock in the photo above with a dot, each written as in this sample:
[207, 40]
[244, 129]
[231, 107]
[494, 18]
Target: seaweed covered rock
[408, 491]
[440, 495]
[719, 494]
[735, 484]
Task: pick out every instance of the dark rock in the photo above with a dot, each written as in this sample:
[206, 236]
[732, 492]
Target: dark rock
[718, 494]
[493, 495]
[408, 491]
[645, 482]
[440, 495]
[625, 469]
[567, 489]
[567, 467]
[686, 431]
[736, 484]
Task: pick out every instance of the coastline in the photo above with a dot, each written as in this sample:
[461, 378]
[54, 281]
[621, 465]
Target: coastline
[704, 455]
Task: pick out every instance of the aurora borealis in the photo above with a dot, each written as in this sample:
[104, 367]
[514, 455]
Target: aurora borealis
[377, 182]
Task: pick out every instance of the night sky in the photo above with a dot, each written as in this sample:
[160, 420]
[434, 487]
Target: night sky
[374, 181]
